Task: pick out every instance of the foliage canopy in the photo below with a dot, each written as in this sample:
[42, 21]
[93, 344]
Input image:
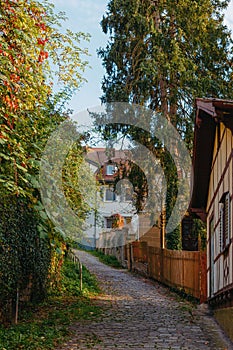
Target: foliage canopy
[163, 55]
[34, 52]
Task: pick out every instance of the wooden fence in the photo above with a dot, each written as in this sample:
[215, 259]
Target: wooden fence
[183, 270]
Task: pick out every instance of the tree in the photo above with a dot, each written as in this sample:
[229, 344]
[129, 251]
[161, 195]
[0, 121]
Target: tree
[30, 44]
[162, 55]
[33, 54]
[80, 186]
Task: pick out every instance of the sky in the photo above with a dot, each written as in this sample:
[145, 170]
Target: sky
[85, 16]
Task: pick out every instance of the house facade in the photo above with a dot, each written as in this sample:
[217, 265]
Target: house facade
[213, 193]
[114, 209]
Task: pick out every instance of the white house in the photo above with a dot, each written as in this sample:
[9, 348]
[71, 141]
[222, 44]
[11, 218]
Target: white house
[114, 209]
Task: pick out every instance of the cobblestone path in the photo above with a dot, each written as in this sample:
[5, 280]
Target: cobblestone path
[141, 314]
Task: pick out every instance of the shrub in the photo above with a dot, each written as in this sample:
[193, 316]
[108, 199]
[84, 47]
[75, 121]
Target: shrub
[24, 257]
[110, 260]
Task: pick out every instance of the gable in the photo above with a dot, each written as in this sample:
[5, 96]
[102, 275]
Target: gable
[209, 113]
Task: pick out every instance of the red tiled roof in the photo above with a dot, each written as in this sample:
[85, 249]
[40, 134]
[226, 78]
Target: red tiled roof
[100, 156]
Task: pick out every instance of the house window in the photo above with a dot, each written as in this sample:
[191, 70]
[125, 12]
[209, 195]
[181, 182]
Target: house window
[128, 194]
[126, 191]
[225, 221]
[110, 195]
[128, 220]
[110, 222]
[211, 256]
[110, 169]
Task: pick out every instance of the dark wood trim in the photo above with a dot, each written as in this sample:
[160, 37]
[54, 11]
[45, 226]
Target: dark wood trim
[218, 257]
[208, 235]
[216, 225]
[209, 113]
[221, 180]
[201, 213]
[223, 252]
[206, 107]
[210, 259]
[219, 146]
[223, 298]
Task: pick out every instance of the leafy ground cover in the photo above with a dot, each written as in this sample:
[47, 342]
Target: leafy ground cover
[110, 260]
[47, 325]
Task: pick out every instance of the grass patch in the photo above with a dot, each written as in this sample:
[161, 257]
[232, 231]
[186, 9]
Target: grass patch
[47, 325]
[70, 283]
[109, 260]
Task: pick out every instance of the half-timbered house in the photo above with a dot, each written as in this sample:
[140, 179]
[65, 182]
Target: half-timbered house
[213, 193]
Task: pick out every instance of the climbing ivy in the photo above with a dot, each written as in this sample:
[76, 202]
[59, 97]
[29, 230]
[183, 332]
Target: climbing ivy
[34, 53]
[24, 257]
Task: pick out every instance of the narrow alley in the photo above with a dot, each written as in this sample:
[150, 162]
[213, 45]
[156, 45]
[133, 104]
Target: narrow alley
[142, 314]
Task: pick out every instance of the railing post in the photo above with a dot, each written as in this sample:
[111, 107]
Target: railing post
[16, 306]
[81, 275]
[74, 258]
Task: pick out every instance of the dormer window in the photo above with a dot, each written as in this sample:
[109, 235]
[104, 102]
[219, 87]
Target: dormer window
[110, 169]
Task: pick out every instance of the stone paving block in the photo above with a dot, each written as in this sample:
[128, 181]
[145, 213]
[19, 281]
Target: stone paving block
[143, 314]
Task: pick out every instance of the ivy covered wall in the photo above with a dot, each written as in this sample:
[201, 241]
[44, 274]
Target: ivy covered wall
[24, 256]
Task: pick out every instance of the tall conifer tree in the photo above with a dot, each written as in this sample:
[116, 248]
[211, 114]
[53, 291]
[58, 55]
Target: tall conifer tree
[163, 54]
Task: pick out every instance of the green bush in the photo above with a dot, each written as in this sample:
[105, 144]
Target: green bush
[110, 260]
[24, 257]
[46, 326]
[70, 281]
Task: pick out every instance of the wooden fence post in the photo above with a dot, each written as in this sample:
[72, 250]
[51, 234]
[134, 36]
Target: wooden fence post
[131, 255]
[203, 277]
[161, 265]
[74, 258]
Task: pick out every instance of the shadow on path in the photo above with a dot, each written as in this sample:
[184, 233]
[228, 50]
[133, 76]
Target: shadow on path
[142, 314]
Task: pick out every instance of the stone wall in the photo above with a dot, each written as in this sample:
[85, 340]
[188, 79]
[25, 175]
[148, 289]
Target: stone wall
[225, 317]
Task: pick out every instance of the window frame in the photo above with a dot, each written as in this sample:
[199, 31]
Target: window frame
[225, 221]
[112, 172]
[108, 220]
[107, 190]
